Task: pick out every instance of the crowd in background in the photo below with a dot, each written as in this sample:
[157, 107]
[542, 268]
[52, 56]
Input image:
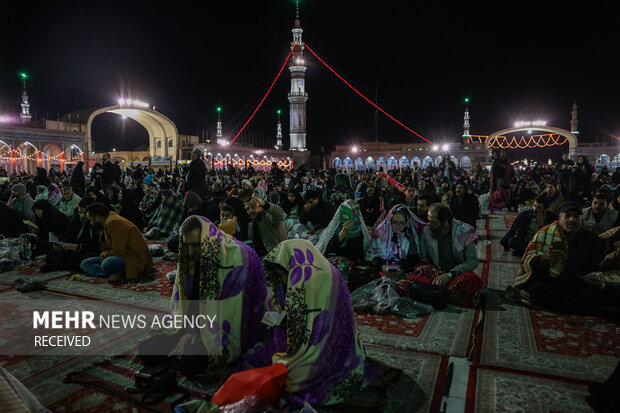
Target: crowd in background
[415, 225]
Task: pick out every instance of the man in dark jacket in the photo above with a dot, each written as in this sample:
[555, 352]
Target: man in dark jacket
[107, 173]
[317, 211]
[464, 205]
[196, 173]
[526, 225]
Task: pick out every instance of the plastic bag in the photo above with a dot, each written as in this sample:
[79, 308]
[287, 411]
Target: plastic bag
[409, 308]
[7, 251]
[385, 295]
[28, 284]
[362, 298]
[156, 250]
[248, 404]
[171, 276]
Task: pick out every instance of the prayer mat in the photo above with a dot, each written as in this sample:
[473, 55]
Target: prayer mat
[156, 291]
[445, 332]
[413, 390]
[506, 392]
[509, 220]
[112, 377]
[159, 284]
[412, 384]
[515, 337]
[502, 274]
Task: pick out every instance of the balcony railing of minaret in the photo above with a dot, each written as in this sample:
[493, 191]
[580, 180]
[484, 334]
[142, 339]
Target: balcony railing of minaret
[305, 94]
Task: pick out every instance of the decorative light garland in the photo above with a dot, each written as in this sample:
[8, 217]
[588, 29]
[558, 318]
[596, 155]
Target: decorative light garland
[37, 156]
[241, 163]
[534, 141]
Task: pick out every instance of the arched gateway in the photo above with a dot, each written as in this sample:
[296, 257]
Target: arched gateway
[572, 138]
[163, 133]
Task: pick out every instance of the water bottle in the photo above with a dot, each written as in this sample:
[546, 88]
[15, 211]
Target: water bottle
[26, 252]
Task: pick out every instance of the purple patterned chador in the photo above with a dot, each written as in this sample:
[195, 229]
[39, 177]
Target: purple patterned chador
[318, 339]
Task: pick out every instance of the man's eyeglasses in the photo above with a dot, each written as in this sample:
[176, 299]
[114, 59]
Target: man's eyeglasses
[399, 223]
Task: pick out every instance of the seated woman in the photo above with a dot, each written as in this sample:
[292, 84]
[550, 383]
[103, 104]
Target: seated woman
[317, 339]
[395, 243]
[215, 271]
[345, 239]
[292, 205]
[54, 195]
[52, 224]
[371, 206]
[129, 207]
[499, 199]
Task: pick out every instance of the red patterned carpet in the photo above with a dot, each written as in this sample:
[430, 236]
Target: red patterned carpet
[516, 359]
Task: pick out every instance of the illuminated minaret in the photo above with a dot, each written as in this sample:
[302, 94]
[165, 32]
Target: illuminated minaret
[279, 131]
[25, 115]
[218, 132]
[573, 120]
[297, 97]
[466, 134]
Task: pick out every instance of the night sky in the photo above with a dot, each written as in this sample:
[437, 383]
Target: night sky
[514, 60]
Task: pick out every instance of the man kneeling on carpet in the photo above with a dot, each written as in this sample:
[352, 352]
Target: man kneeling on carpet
[124, 253]
[448, 257]
[555, 261]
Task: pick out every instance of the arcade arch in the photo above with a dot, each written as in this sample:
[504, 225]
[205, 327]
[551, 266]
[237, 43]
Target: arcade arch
[158, 126]
[572, 138]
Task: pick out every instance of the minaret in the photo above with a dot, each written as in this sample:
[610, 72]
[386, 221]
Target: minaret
[466, 134]
[25, 115]
[573, 120]
[297, 97]
[218, 132]
[279, 131]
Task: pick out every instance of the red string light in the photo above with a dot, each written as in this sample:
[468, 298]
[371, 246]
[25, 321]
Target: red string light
[264, 97]
[368, 100]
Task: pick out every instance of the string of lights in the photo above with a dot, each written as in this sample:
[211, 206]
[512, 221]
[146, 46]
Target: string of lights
[223, 162]
[368, 100]
[34, 157]
[264, 97]
[534, 141]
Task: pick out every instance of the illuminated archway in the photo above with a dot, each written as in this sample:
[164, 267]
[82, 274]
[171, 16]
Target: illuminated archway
[31, 157]
[337, 163]
[603, 160]
[370, 163]
[428, 161]
[5, 155]
[465, 162]
[403, 162]
[347, 163]
[381, 164]
[159, 127]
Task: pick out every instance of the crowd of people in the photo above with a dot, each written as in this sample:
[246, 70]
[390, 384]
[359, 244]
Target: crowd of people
[297, 242]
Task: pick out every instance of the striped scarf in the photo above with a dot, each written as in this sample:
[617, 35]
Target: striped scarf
[540, 245]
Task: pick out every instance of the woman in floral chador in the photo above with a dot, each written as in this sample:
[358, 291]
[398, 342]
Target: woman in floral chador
[314, 334]
[219, 275]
